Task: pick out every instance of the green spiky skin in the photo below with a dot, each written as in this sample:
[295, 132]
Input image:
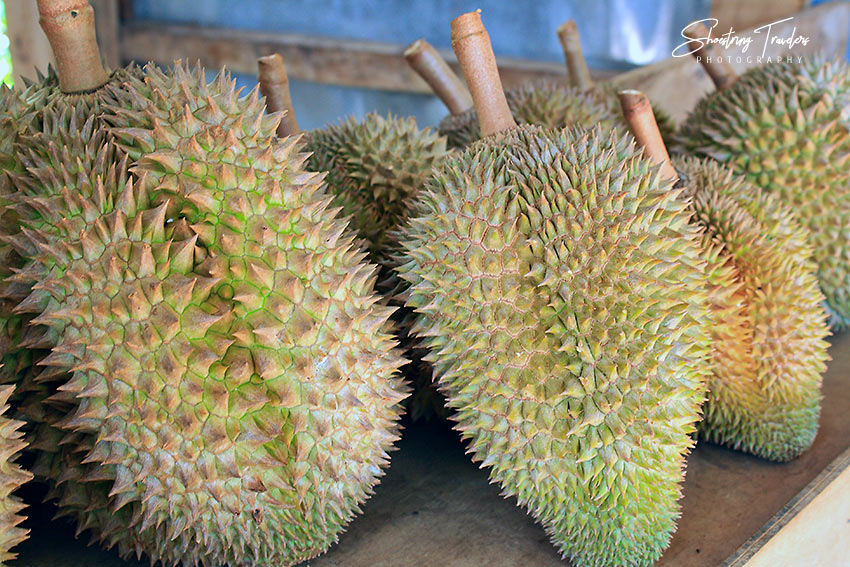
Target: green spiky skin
[230, 388]
[11, 478]
[376, 168]
[769, 349]
[553, 105]
[784, 127]
[562, 293]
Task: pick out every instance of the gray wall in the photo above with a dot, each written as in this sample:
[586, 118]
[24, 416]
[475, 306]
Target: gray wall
[616, 34]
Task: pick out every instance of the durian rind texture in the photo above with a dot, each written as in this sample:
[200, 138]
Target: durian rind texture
[552, 105]
[785, 127]
[769, 349]
[375, 167]
[234, 384]
[12, 476]
[561, 290]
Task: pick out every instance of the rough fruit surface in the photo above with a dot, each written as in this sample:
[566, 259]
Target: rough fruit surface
[785, 128]
[562, 293]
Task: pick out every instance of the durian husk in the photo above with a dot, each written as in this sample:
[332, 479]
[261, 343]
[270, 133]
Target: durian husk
[784, 127]
[552, 105]
[769, 350]
[221, 378]
[561, 291]
[12, 476]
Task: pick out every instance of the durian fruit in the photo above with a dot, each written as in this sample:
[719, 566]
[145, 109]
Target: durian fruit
[784, 127]
[12, 476]
[768, 351]
[546, 103]
[561, 291]
[376, 167]
[229, 382]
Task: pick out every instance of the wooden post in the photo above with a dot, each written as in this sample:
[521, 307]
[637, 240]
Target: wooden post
[106, 22]
[28, 45]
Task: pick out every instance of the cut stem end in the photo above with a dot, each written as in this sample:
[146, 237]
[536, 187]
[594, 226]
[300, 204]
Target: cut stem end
[431, 66]
[576, 65]
[720, 71]
[274, 85]
[641, 120]
[471, 44]
[69, 26]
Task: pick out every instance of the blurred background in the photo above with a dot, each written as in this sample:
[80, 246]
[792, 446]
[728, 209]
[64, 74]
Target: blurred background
[617, 35]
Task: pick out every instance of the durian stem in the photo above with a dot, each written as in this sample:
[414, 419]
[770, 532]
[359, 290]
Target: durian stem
[471, 44]
[274, 85]
[721, 72]
[69, 26]
[425, 60]
[576, 65]
[641, 120]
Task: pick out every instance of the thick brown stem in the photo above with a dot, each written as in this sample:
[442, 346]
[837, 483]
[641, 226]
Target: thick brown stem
[718, 68]
[274, 85]
[425, 60]
[471, 44]
[641, 120]
[69, 26]
[576, 65]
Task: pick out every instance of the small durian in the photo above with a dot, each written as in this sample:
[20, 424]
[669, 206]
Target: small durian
[224, 381]
[12, 476]
[551, 104]
[784, 126]
[561, 291]
[768, 351]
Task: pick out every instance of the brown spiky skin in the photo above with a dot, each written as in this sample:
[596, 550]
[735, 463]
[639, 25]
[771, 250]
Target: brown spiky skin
[376, 167]
[561, 290]
[11, 478]
[229, 387]
[769, 350]
[553, 105]
[784, 126]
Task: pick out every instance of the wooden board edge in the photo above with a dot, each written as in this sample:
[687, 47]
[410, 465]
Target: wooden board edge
[782, 518]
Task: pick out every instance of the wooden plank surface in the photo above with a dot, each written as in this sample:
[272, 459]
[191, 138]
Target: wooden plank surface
[106, 16]
[324, 60]
[741, 15]
[436, 507]
[27, 43]
[675, 84]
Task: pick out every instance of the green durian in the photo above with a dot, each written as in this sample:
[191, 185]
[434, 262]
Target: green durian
[224, 385]
[769, 352]
[784, 127]
[561, 291]
[12, 476]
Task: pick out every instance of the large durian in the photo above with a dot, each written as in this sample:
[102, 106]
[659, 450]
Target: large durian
[784, 127]
[563, 296]
[224, 383]
[12, 476]
[768, 350]
[375, 169]
[551, 104]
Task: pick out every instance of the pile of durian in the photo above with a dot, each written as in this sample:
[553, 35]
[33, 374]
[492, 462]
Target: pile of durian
[209, 319]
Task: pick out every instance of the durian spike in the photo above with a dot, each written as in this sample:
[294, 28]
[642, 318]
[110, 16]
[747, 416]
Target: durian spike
[641, 120]
[721, 72]
[471, 44]
[69, 26]
[445, 83]
[576, 65]
[274, 85]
